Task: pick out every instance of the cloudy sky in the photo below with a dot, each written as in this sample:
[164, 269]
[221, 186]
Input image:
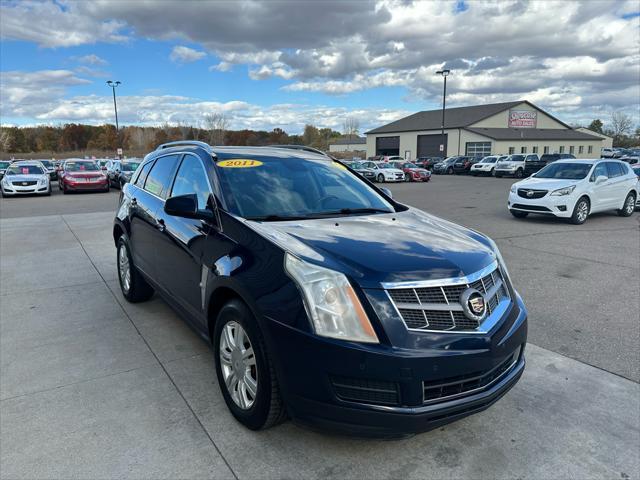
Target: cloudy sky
[284, 64]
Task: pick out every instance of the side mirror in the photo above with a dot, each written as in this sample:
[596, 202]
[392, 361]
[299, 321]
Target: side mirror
[601, 179]
[186, 206]
[387, 192]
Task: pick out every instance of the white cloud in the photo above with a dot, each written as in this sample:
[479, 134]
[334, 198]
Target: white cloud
[181, 54]
[91, 59]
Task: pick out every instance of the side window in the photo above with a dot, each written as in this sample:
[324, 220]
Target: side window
[601, 169]
[142, 174]
[191, 178]
[614, 169]
[159, 179]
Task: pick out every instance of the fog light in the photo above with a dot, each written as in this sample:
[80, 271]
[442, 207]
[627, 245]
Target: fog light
[562, 208]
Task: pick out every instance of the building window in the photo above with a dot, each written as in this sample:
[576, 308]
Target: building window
[590, 149]
[478, 149]
[523, 149]
[546, 150]
[562, 149]
[535, 149]
[572, 149]
[581, 149]
[512, 150]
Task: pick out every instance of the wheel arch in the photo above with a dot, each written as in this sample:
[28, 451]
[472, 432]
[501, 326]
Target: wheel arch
[218, 297]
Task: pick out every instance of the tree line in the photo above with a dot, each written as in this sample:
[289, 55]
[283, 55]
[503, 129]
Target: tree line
[77, 137]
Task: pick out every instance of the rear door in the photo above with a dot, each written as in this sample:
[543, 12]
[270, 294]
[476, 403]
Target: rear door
[600, 200]
[147, 197]
[619, 187]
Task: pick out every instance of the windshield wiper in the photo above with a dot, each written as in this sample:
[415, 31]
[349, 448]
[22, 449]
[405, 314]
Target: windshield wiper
[353, 211]
[276, 218]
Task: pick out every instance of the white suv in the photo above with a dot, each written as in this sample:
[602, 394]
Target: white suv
[512, 165]
[574, 189]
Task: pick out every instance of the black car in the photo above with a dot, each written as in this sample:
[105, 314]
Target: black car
[463, 164]
[428, 162]
[119, 172]
[531, 165]
[446, 166]
[362, 170]
[324, 299]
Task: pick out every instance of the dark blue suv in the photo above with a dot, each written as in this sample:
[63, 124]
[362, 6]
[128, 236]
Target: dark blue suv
[324, 299]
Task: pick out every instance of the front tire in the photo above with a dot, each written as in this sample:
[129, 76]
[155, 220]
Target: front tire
[132, 284]
[407, 177]
[519, 173]
[450, 171]
[629, 205]
[519, 214]
[245, 370]
[580, 211]
[380, 178]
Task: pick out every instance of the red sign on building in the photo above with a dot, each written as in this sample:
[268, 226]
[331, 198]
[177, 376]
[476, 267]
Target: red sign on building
[523, 119]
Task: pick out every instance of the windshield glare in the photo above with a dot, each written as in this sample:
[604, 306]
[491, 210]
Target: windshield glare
[567, 171]
[283, 188]
[81, 167]
[386, 165]
[24, 170]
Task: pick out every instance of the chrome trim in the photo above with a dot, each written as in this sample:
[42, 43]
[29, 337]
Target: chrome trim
[443, 282]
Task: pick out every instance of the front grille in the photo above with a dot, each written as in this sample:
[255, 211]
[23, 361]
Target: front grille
[536, 208]
[28, 183]
[523, 192]
[441, 390]
[438, 308]
[362, 390]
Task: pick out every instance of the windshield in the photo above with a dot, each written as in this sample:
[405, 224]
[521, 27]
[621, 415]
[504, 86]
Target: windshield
[385, 165]
[24, 170]
[81, 167]
[293, 188]
[568, 171]
[516, 158]
[129, 167]
[4, 164]
[489, 160]
[47, 163]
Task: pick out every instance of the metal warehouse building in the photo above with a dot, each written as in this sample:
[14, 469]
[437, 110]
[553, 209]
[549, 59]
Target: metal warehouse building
[500, 128]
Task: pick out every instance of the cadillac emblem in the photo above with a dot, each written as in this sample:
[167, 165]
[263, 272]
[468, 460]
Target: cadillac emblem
[473, 304]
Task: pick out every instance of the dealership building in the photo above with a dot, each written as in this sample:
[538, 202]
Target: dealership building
[499, 128]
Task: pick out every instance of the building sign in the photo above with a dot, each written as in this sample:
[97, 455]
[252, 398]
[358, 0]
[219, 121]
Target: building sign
[523, 119]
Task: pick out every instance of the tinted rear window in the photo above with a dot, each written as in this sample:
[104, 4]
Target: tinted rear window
[614, 169]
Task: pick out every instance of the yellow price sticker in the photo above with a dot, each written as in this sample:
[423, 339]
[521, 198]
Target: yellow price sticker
[338, 165]
[239, 163]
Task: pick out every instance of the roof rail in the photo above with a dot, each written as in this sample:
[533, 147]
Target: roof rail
[193, 143]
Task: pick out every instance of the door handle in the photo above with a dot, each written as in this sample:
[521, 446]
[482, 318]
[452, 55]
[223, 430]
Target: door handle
[161, 225]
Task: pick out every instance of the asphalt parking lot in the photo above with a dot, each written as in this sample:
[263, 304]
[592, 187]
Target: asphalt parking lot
[91, 386]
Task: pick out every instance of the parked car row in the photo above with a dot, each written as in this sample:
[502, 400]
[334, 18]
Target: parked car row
[629, 155]
[391, 171]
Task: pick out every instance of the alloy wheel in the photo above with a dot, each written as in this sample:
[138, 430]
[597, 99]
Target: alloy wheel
[238, 365]
[124, 269]
[583, 211]
[631, 205]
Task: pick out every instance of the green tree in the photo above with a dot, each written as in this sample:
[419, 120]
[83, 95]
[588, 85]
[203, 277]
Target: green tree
[596, 126]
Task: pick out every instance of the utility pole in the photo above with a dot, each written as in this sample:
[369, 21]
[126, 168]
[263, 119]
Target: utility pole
[444, 73]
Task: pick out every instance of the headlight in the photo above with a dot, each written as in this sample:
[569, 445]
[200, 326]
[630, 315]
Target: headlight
[331, 302]
[564, 191]
[513, 188]
[503, 265]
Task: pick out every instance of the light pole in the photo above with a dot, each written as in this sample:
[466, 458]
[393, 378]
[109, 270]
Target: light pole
[113, 86]
[444, 73]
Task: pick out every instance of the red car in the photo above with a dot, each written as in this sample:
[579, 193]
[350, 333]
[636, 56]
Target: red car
[82, 175]
[412, 172]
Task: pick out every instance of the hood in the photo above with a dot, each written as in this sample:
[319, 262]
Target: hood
[392, 170]
[85, 174]
[25, 178]
[394, 247]
[546, 183]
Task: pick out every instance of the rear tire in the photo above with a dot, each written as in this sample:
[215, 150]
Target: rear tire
[380, 178]
[519, 173]
[133, 286]
[450, 171]
[266, 408]
[519, 214]
[407, 177]
[580, 211]
[629, 205]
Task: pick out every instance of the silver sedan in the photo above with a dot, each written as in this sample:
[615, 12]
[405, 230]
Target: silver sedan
[25, 178]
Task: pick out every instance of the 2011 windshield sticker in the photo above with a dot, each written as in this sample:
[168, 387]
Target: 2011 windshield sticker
[239, 163]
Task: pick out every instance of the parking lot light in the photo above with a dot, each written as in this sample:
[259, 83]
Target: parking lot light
[444, 73]
[113, 86]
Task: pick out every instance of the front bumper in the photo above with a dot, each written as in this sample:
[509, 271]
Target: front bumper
[559, 206]
[307, 366]
[481, 169]
[25, 190]
[86, 186]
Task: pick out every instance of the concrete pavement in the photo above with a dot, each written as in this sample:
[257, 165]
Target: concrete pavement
[92, 386]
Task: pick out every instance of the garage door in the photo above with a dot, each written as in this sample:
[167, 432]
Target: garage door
[429, 145]
[388, 146]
